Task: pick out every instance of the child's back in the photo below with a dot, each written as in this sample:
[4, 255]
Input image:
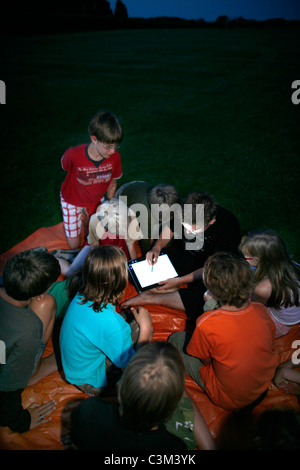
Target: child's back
[241, 345]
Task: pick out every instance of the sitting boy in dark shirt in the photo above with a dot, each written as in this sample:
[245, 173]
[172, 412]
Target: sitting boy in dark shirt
[200, 230]
[27, 315]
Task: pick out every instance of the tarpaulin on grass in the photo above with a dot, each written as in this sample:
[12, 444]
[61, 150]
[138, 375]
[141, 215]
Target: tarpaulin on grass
[53, 435]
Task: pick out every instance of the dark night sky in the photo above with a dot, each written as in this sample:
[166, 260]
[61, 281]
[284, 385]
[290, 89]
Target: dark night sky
[209, 10]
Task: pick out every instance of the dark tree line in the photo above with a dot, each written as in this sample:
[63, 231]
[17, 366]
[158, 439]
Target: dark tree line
[72, 7]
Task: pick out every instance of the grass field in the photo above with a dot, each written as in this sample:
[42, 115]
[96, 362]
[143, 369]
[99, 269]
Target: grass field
[201, 109]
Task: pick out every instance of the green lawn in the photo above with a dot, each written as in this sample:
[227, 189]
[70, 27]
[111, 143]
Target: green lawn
[201, 109]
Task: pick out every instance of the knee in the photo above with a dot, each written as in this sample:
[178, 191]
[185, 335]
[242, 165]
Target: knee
[177, 338]
[74, 243]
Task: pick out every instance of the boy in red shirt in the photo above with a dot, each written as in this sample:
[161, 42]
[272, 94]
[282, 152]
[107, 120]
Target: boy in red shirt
[93, 170]
[231, 353]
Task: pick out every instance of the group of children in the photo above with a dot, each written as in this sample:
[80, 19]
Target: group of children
[250, 286]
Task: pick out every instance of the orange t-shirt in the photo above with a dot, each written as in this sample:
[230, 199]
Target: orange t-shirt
[238, 350]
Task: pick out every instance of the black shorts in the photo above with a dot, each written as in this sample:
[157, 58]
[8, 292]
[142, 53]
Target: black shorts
[192, 296]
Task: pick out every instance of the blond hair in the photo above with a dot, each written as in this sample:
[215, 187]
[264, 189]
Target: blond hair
[113, 216]
[151, 386]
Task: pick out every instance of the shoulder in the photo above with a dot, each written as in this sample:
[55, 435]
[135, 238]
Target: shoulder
[72, 152]
[225, 215]
[262, 291]
[208, 317]
[89, 421]
[115, 157]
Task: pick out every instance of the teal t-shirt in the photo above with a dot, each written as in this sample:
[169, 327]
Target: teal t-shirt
[88, 337]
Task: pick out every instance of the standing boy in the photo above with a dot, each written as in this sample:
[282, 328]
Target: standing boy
[92, 170]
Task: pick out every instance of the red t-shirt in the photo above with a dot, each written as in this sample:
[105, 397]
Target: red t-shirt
[238, 352]
[87, 180]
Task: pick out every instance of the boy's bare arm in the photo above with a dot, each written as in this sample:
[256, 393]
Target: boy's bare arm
[164, 238]
[111, 189]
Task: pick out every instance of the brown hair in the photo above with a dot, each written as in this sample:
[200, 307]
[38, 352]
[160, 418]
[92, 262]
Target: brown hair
[104, 277]
[210, 207]
[106, 128]
[275, 264]
[164, 194]
[29, 274]
[151, 386]
[229, 279]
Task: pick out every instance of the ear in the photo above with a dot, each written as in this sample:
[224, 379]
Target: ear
[39, 297]
[93, 139]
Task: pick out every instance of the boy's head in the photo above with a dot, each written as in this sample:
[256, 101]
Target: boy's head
[229, 279]
[151, 386]
[199, 212]
[165, 196]
[106, 128]
[30, 274]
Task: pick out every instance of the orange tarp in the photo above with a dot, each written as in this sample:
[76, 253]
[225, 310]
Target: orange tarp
[53, 435]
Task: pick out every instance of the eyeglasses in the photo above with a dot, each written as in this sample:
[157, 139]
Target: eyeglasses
[110, 147]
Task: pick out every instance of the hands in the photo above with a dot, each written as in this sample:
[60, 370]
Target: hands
[169, 285]
[144, 319]
[152, 255]
[40, 412]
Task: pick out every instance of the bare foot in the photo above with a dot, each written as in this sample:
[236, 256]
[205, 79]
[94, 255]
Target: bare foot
[46, 366]
[141, 299]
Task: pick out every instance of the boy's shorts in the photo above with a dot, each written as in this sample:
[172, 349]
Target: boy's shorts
[72, 218]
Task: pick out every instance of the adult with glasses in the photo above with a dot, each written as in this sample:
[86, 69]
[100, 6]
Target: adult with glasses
[92, 171]
[201, 229]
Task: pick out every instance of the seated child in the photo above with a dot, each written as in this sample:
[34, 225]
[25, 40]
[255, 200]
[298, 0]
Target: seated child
[27, 315]
[231, 352]
[149, 392]
[154, 205]
[94, 337]
[276, 277]
[112, 224]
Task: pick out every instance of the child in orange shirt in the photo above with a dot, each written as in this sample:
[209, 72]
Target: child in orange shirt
[231, 353]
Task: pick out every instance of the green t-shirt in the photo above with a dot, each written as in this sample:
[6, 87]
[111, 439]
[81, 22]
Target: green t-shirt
[59, 292]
